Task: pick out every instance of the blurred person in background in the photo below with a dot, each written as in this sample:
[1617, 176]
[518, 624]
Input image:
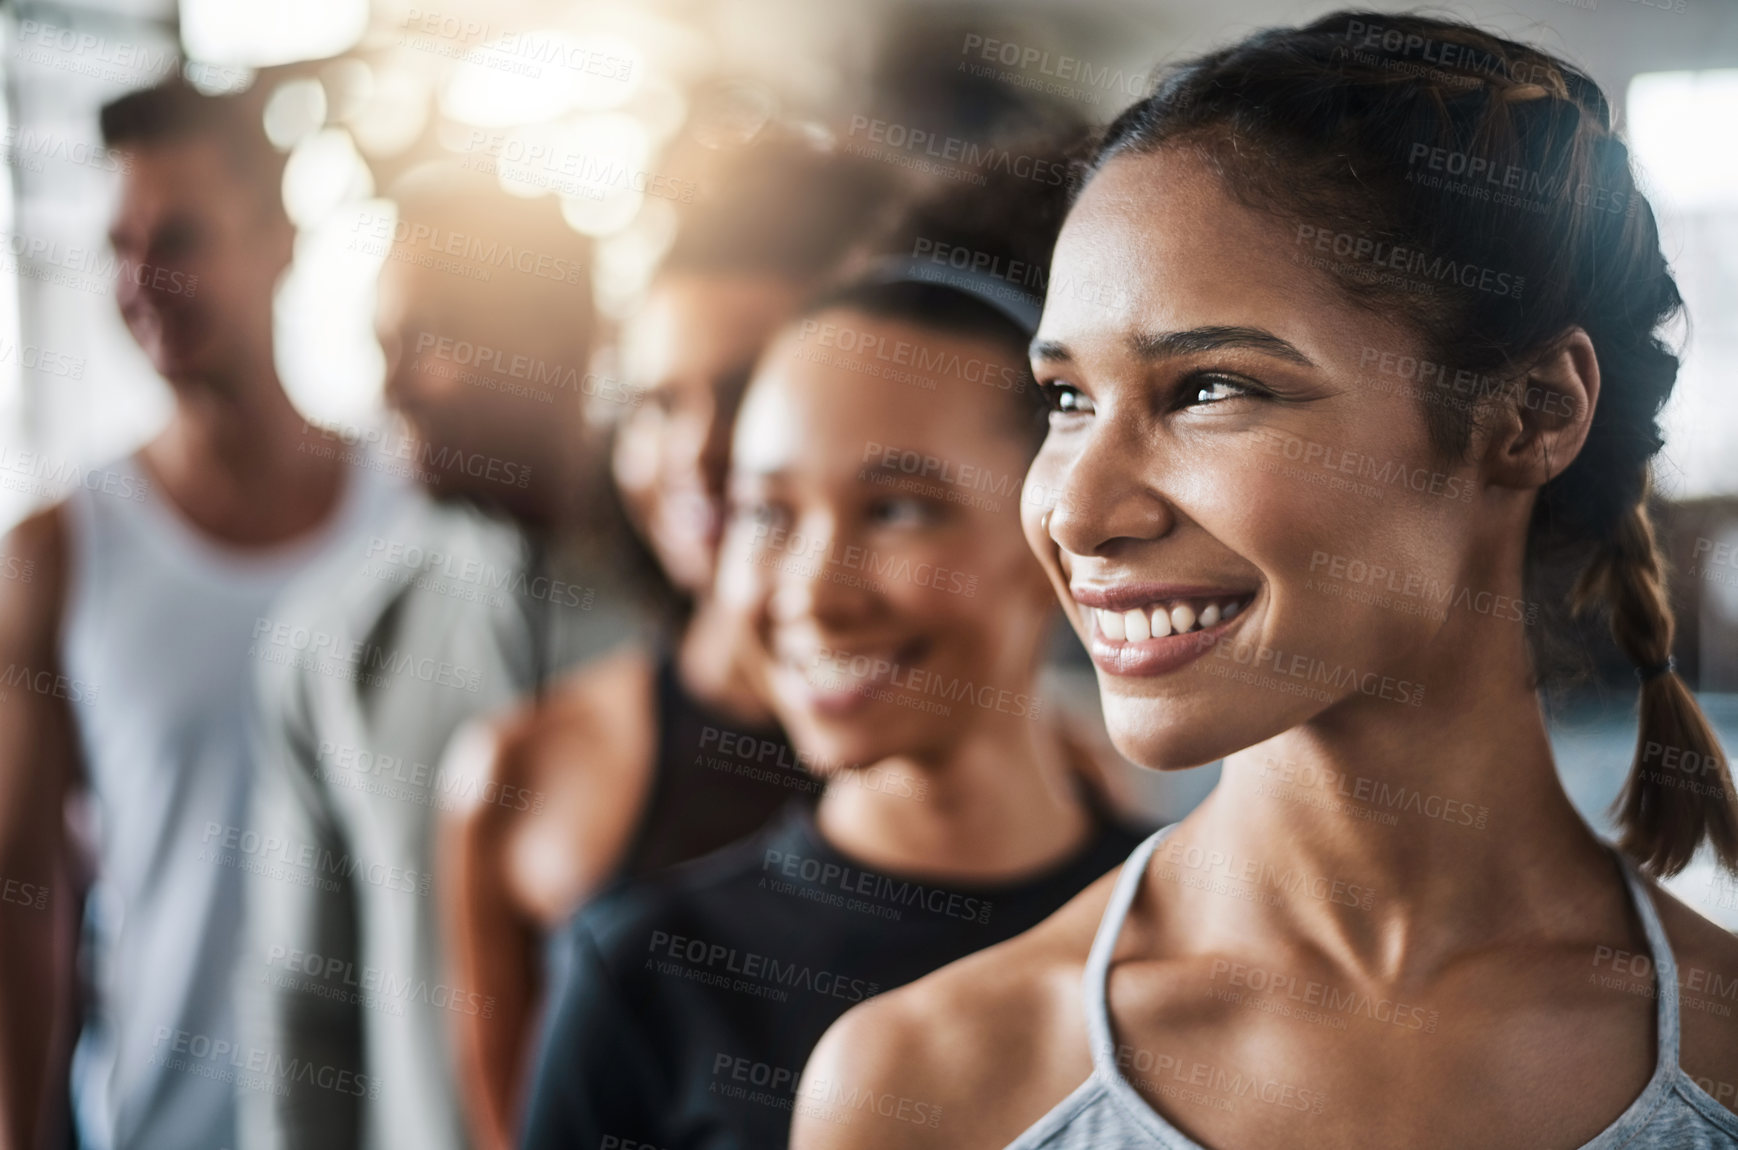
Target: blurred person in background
[492, 575]
[638, 757]
[134, 635]
[900, 624]
[1286, 967]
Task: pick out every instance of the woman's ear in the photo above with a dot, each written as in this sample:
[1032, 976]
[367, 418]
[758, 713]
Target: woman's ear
[1537, 431]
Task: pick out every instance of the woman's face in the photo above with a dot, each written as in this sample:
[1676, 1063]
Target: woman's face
[1230, 454]
[688, 351]
[875, 537]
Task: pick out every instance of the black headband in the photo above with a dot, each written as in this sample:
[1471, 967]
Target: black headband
[1021, 308]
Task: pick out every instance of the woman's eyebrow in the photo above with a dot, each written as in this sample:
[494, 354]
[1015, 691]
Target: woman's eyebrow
[1165, 345]
[1048, 349]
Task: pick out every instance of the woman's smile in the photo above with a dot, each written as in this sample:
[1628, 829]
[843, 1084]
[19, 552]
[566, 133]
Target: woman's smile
[837, 681]
[1152, 629]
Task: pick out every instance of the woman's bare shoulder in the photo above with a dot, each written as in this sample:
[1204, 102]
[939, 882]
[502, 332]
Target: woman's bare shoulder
[965, 1057]
[603, 706]
[592, 726]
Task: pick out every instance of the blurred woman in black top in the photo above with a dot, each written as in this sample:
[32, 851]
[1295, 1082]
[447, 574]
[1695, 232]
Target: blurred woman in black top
[874, 539]
[626, 757]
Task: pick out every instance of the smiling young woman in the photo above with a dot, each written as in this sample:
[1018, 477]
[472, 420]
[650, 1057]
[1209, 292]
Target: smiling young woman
[1377, 294]
[873, 545]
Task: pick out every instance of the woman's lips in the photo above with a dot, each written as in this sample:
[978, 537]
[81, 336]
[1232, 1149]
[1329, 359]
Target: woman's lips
[685, 529]
[693, 516]
[1160, 635]
[837, 683]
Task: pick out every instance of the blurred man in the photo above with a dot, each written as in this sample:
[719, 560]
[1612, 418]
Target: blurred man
[126, 655]
[490, 581]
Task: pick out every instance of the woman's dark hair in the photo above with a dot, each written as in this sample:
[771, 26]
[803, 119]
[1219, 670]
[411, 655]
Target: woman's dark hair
[1489, 174]
[956, 258]
[778, 206]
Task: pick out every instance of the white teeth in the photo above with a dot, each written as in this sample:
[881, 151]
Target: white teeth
[1136, 624]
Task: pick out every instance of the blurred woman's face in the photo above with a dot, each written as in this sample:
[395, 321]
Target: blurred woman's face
[1232, 482]
[874, 536]
[688, 351]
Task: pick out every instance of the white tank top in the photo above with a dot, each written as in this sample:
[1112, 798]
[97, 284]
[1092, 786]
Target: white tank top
[155, 641]
[1106, 1113]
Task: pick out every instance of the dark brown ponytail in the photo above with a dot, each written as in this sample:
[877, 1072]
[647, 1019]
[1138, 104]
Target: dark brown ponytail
[1679, 790]
[1340, 124]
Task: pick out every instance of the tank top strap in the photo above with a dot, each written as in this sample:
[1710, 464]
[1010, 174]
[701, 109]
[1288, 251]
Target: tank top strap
[101, 526]
[1097, 974]
[1665, 963]
[85, 562]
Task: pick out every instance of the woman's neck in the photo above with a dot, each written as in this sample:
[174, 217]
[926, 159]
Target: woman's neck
[1002, 801]
[1393, 836]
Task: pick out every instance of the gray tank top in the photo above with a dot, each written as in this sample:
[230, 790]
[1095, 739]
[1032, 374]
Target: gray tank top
[1106, 1113]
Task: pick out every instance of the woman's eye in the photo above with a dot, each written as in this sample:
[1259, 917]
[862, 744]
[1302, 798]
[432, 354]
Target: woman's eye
[1210, 389]
[901, 512]
[756, 511]
[1064, 399]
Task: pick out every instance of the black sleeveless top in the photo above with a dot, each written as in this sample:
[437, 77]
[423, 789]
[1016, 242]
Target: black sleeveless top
[715, 780]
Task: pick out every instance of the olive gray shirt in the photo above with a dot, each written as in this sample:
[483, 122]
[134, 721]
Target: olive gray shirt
[367, 668]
